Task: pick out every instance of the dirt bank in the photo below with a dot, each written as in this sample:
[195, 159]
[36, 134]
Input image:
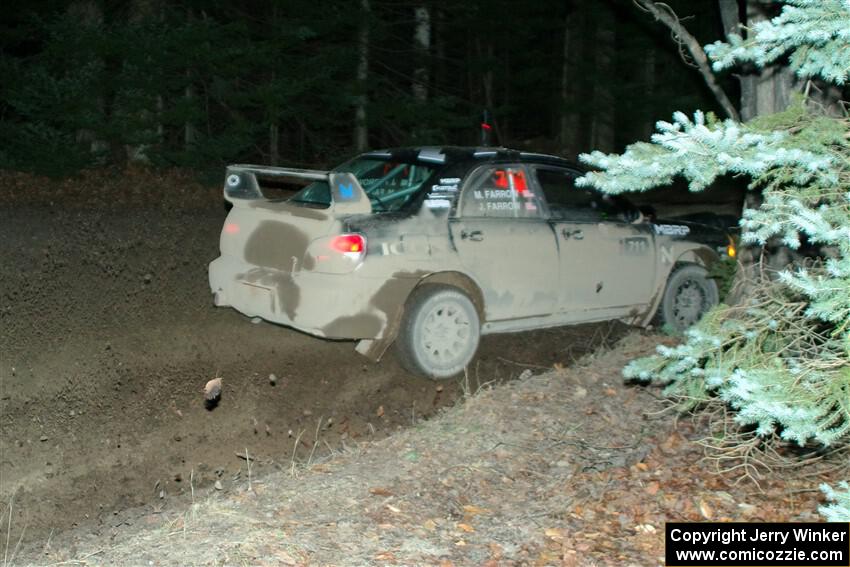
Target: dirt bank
[570, 467]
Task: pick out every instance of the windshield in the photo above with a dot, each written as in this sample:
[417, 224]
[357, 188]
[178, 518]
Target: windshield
[389, 184]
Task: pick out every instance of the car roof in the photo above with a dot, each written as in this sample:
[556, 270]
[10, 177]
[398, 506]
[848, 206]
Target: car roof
[460, 154]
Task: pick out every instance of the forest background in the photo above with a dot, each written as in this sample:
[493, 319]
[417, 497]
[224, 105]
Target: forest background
[200, 84]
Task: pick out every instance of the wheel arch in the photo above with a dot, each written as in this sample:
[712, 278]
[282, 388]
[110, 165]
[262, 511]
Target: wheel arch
[460, 281]
[701, 256]
[374, 349]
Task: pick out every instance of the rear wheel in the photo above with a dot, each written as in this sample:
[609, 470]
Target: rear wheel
[439, 333]
[689, 294]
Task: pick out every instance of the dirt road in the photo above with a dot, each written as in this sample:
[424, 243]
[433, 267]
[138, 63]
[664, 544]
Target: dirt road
[108, 335]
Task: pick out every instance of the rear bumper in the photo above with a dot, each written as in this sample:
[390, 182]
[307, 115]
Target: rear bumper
[325, 305]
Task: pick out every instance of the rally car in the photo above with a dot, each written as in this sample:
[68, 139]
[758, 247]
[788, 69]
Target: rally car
[430, 248]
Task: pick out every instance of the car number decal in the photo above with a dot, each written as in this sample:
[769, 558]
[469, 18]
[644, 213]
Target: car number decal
[634, 246]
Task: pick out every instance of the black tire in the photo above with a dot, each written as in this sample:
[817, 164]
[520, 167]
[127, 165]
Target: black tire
[439, 333]
[689, 294]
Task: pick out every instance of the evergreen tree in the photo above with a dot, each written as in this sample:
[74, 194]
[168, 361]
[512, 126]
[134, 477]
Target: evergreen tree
[781, 358]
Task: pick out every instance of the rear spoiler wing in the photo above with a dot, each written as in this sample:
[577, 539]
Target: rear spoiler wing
[241, 186]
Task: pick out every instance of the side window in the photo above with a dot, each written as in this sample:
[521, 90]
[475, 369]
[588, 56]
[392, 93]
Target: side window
[568, 202]
[501, 192]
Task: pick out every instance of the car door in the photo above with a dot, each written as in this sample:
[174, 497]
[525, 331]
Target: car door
[505, 243]
[607, 264]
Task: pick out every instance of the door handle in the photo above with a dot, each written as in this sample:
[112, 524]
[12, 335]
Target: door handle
[474, 235]
[576, 234]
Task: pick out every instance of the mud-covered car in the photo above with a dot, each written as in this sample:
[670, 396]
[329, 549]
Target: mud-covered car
[430, 248]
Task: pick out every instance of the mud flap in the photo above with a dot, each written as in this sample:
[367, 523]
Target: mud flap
[373, 349]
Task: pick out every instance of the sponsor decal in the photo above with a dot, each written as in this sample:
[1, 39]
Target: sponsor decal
[672, 229]
[444, 188]
[346, 192]
[438, 203]
[391, 248]
[447, 184]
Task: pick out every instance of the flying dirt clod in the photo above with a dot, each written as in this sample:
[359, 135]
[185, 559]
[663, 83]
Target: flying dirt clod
[212, 393]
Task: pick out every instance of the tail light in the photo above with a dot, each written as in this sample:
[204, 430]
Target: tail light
[352, 245]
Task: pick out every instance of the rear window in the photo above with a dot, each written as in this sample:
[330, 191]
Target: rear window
[390, 185]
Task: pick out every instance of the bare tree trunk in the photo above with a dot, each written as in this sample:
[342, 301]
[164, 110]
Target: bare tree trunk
[664, 14]
[421, 46]
[189, 132]
[89, 15]
[570, 131]
[764, 91]
[361, 127]
[602, 124]
[438, 29]
[730, 15]
[160, 127]
[141, 11]
[649, 73]
[487, 86]
[274, 144]
[567, 121]
[769, 90]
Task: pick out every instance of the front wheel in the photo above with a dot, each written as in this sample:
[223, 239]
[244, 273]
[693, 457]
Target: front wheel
[439, 333]
[689, 294]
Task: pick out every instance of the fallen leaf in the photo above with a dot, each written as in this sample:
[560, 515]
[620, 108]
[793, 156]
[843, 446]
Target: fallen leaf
[671, 442]
[385, 556]
[652, 488]
[380, 412]
[554, 533]
[471, 510]
[706, 510]
[466, 527]
[380, 491]
[642, 466]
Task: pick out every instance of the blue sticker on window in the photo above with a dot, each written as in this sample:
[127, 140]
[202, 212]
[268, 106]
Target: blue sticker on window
[346, 192]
